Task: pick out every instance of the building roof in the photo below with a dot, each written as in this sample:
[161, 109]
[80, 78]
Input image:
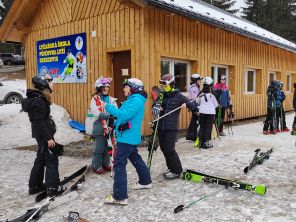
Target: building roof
[212, 15]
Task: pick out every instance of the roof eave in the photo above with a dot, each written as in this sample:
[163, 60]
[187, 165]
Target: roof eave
[221, 25]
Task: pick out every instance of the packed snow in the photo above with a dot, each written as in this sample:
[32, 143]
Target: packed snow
[15, 127]
[228, 158]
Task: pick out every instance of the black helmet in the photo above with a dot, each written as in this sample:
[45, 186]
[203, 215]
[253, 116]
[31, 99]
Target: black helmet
[41, 82]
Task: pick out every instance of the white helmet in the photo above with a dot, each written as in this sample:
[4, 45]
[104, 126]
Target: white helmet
[208, 81]
[102, 81]
[135, 84]
[196, 76]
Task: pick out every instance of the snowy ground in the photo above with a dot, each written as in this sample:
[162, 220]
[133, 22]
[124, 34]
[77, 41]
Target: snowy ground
[227, 159]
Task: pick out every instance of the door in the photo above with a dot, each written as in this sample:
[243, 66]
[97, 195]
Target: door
[121, 66]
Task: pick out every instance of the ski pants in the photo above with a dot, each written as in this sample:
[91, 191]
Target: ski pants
[167, 140]
[100, 155]
[294, 122]
[220, 122]
[269, 122]
[192, 129]
[45, 159]
[124, 152]
[280, 118]
[206, 126]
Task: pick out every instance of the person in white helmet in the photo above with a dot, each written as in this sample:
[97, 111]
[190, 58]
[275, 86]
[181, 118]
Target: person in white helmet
[128, 131]
[207, 105]
[193, 92]
[101, 157]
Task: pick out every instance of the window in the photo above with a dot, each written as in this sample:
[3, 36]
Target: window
[250, 81]
[288, 83]
[219, 70]
[272, 77]
[180, 69]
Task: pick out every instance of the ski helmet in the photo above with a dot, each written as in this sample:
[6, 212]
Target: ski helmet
[135, 84]
[195, 77]
[223, 77]
[208, 81]
[42, 82]
[167, 79]
[102, 82]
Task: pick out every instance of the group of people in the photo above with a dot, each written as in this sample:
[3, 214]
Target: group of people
[207, 104]
[127, 125]
[275, 121]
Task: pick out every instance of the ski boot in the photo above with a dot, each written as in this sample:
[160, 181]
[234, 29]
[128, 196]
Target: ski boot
[265, 132]
[272, 132]
[107, 168]
[170, 175]
[138, 186]
[36, 189]
[110, 200]
[286, 129]
[207, 145]
[99, 171]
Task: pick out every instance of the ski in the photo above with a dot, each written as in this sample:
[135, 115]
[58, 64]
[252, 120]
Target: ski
[41, 196]
[252, 164]
[258, 159]
[157, 95]
[204, 178]
[51, 203]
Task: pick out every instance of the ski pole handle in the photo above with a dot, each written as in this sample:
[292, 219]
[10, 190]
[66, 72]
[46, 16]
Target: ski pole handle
[178, 209]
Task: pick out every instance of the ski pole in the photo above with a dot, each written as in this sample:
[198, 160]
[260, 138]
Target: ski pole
[182, 207]
[174, 110]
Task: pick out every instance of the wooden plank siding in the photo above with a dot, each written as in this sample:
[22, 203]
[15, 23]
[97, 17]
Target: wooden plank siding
[151, 34]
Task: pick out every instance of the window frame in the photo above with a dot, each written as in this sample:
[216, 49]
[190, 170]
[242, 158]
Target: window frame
[290, 82]
[271, 72]
[172, 62]
[216, 66]
[246, 82]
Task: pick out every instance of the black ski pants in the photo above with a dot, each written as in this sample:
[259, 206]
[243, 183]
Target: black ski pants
[269, 122]
[206, 125]
[167, 141]
[192, 129]
[44, 159]
[281, 118]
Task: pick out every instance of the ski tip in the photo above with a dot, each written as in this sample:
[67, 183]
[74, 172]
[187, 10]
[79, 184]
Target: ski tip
[178, 209]
[260, 189]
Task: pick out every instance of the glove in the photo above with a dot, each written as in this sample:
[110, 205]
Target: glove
[156, 109]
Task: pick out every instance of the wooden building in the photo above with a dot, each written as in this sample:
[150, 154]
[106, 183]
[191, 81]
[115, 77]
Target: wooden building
[147, 38]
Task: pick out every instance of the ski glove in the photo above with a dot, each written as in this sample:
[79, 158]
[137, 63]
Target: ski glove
[156, 109]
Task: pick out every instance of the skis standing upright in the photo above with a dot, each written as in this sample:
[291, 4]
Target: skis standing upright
[157, 95]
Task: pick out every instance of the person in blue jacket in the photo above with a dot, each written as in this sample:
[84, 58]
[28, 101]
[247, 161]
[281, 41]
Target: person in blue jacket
[128, 133]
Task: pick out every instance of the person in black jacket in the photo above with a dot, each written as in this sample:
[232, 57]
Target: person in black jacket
[294, 106]
[37, 104]
[168, 126]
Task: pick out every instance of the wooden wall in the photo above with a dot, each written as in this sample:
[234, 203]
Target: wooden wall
[151, 34]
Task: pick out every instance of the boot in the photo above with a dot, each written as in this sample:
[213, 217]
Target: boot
[207, 145]
[36, 189]
[110, 200]
[170, 175]
[138, 186]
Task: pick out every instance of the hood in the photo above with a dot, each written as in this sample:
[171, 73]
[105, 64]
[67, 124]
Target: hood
[142, 95]
[31, 93]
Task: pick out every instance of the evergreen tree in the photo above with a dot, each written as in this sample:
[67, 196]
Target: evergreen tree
[3, 8]
[223, 4]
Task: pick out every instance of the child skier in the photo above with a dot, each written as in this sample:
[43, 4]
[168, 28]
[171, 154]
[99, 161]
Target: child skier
[101, 157]
[281, 117]
[168, 126]
[128, 130]
[43, 127]
[194, 91]
[221, 92]
[207, 105]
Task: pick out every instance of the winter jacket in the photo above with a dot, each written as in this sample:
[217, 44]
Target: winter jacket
[132, 112]
[38, 109]
[294, 100]
[222, 94]
[171, 101]
[194, 91]
[98, 129]
[207, 103]
[275, 97]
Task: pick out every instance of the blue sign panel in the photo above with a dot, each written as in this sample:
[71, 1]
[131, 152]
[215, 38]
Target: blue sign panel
[64, 58]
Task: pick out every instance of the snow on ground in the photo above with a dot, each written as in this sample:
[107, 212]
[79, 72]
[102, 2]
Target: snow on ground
[227, 159]
[15, 127]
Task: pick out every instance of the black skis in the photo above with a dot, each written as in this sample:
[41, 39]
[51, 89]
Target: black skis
[258, 159]
[43, 194]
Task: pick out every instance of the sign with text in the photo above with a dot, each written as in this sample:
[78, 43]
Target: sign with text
[64, 58]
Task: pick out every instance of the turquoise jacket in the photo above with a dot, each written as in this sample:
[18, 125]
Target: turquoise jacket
[132, 111]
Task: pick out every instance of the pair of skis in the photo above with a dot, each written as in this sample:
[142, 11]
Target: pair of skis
[258, 159]
[52, 202]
